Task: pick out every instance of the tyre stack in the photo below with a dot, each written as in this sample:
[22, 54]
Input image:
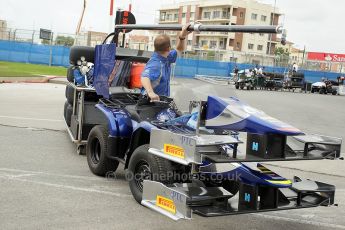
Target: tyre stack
[76, 54]
[68, 107]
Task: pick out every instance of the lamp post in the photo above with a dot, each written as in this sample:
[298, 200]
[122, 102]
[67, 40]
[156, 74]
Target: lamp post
[272, 22]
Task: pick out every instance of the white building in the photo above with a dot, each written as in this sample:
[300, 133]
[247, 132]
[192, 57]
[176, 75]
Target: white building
[229, 46]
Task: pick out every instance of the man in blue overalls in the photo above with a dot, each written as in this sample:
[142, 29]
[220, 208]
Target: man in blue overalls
[156, 75]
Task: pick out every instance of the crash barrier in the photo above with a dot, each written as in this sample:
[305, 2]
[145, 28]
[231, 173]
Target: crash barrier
[14, 51]
[27, 52]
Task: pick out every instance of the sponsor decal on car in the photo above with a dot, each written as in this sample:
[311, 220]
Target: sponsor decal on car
[166, 204]
[174, 150]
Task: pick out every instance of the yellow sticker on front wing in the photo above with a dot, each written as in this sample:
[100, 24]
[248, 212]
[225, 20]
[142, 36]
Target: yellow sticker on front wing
[166, 204]
[174, 150]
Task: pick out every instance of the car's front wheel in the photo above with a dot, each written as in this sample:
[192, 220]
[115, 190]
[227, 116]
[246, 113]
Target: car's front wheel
[146, 166]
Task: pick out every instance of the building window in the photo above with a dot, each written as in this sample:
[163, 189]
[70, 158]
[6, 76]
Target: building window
[260, 47]
[238, 45]
[213, 44]
[241, 14]
[250, 46]
[173, 42]
[207, 15]
[191, 14]
[175, 17]
[183, 15]
[216, 14]
[261, 34]
[263, 18]
[189, 42]
[163, 16]
[169, 17]
[254, 16]
[203, 43]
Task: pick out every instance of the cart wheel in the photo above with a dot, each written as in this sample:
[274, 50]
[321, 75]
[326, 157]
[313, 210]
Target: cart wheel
[96, 149]
[242, 87]
[146, 166]
[237, 86]
[334, 92]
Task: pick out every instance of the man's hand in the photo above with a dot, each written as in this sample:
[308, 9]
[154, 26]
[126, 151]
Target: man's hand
[153, 96]
[184, 33]
[181, 42]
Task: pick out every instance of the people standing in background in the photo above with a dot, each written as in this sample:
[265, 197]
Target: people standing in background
[294, 67]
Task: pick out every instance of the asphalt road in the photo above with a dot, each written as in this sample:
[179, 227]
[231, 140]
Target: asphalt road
[44, 184]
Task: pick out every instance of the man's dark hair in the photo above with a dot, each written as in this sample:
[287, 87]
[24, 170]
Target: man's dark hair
[162, 43]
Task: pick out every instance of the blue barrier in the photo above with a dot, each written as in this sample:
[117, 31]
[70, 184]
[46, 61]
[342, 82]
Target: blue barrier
[39, 54]
[33, 53]
[190, 67]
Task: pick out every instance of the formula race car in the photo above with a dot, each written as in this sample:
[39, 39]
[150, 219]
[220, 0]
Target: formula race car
[196, 162]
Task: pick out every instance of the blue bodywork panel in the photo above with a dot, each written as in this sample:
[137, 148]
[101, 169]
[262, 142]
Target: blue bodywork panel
[232, 114]
[104, 65]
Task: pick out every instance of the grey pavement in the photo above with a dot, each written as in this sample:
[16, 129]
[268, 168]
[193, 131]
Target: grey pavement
[44, 184]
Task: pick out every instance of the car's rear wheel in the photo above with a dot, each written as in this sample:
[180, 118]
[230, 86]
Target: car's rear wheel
[96, 149]
[146, 166]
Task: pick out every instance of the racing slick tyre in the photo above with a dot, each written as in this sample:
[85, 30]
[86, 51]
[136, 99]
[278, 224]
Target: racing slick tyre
[146, 166]
[70, 74]
[68, 113]
[69, 93]
[77, 52]
[96, 149]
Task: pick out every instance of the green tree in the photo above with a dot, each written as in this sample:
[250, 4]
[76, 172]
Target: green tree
[64, 40]
[280, 51]
[45, 42]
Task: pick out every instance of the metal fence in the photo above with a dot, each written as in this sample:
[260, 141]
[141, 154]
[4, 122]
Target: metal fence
[22, 45]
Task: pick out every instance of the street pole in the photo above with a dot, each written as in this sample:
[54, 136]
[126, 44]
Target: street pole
[51, 50]
[272, 22]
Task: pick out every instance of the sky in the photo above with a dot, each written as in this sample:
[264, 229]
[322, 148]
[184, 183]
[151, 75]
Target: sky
[316, 24]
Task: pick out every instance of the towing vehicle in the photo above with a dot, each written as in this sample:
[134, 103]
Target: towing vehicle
[325, 87]
[246, 80]
[198, 162]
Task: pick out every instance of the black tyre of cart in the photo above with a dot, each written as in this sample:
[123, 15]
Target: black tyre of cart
[69, 93]
[70, 74]
[96, 149]
[78, 53]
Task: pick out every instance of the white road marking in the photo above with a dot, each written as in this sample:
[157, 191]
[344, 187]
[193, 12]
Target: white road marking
[30, 118]
[61, 186]
[50, 174]
[315, 223]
